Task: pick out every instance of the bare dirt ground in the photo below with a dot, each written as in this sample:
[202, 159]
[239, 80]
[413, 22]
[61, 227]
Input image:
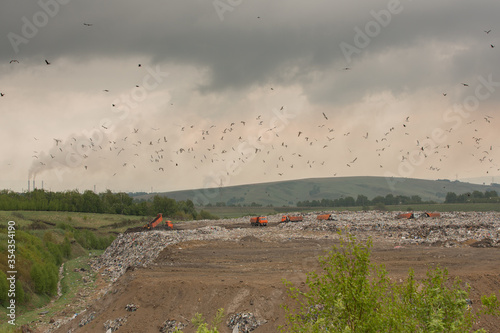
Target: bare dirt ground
[245, 275]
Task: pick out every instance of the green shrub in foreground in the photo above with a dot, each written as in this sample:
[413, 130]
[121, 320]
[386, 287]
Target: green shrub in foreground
[202, 326]
[354, 295]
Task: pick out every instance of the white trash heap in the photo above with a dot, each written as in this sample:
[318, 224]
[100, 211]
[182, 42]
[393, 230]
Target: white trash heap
[451, 229]
[140, 249]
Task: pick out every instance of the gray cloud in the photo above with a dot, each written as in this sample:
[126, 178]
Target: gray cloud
[222, 70]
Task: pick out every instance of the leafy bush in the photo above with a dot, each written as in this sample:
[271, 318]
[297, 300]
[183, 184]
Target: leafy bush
[88, 240]
[39, 277]
[354, 295]
[205, 215]
[202, 326]
[20, 296]
[380, 206]
[4, 288]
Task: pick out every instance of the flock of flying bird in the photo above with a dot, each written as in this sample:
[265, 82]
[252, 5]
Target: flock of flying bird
[224, 149]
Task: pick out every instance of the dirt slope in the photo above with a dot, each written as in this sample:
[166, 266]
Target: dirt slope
[245, 275]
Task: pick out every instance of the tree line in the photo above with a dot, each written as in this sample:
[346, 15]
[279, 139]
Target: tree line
[472, 197]
[106, 202]
[363, 201]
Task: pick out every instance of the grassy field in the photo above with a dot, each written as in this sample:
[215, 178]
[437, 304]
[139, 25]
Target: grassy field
[102, 223]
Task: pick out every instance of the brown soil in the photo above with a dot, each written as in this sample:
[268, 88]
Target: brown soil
[246, 275]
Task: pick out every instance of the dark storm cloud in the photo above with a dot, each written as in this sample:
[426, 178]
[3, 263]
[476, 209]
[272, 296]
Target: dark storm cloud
[256, 42]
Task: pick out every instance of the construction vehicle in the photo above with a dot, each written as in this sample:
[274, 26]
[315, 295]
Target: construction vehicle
[412, 215]
[427, 214]
[291, 218]
[258, 221]
[329, 217]
[156, 224]
[405, 216]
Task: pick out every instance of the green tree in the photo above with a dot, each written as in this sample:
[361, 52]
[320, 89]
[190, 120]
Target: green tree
[39, 277]
[4, 287]
[354, 295]
[91, 202]
[52, 278]
[362, 200]
[416, 199]
[451, 197]
[491, 194]
[349, 201]
[20, 296]
[66, 247]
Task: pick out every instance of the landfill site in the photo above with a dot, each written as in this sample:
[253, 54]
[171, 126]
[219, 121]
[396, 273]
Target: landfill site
[157, 280]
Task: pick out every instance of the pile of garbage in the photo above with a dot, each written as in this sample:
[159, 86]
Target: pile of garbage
[87, 319]
[112, 325]
[171, 326]
[134, 249]
[243, 322]
[140, 249]
[449, 229]
[131, 307]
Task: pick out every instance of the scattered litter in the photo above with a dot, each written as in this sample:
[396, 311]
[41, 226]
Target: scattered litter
[87, 319]
[243, 322]
[131, 307]
[113, 325]
[170, 326]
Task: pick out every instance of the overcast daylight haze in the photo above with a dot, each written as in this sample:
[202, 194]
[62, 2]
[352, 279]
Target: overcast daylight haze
[171, 95]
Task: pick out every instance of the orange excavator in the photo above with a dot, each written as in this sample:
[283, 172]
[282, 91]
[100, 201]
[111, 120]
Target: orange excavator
[156, 224]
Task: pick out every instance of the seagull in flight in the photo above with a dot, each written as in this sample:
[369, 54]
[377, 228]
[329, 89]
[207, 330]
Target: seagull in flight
[324, 115]
[87, 24]
[487, 31]
[13, 60]
[47, 62]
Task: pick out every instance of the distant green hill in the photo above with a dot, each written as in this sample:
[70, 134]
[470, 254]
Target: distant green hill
[288, 193]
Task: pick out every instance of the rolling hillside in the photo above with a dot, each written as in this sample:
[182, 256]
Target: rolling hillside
[287, 193]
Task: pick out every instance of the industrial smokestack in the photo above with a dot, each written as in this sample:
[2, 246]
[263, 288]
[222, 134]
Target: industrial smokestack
[28, 185]
[33, 184]
[42, 184]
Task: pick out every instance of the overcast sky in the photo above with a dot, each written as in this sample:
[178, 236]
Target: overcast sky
[169, 95]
